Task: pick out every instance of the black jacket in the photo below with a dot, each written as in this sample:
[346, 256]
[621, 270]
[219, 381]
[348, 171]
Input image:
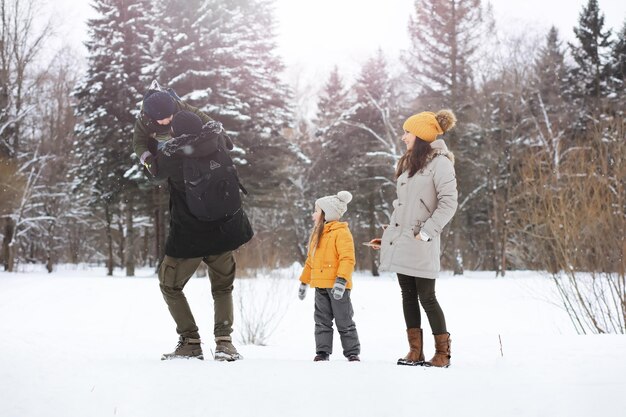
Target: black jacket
[188, 236]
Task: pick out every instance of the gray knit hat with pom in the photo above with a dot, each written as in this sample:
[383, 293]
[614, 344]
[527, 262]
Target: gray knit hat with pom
[334, 206]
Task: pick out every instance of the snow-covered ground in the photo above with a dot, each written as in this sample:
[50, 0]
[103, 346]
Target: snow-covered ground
[77, 343]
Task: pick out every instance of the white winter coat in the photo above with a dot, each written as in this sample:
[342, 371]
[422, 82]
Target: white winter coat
[427, 201]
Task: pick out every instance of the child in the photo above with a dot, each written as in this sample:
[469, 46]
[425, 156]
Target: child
[328, 268]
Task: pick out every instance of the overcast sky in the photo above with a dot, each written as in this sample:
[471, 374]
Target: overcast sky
[314, 35]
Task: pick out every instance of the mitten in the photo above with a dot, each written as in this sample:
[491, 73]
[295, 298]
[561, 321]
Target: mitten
[339, 288]
[302, 291]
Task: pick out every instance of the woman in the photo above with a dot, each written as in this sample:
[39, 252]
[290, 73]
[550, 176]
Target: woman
[410, 246]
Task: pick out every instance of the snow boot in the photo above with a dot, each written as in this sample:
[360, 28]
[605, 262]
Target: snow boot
[415, 357]
[321, 357]
[442, 351]
[225, 351]
[186, 348]
[354, 358]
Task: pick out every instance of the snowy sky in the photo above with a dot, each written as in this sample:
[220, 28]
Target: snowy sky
[315, 35]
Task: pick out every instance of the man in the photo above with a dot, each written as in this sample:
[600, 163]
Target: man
[205, 226]
[152, 127]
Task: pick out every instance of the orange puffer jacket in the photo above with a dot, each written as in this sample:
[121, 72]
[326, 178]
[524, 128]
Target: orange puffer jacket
[334, 257]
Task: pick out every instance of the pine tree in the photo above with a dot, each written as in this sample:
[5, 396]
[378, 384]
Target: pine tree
[175, 60]
[107, 103]
[333, 100]
[326, 145]
[617, 70]
[545, 100]
[550, 70]
[591, 54]
[444, 40]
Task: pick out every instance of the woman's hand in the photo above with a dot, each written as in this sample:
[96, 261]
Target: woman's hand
[423, 237]
[375, 243]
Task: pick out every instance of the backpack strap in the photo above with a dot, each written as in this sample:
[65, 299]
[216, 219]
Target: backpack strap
[221, 148]
[241, 187]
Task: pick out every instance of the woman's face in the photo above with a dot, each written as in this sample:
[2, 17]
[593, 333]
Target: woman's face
[317, 215]
[409, 139]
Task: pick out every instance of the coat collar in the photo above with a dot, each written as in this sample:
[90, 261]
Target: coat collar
[439, 148]
[335, 225]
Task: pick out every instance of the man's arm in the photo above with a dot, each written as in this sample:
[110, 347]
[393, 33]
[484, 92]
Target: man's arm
[140, 140]
[205, 118]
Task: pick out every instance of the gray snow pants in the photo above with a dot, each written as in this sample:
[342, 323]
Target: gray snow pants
[327, 308]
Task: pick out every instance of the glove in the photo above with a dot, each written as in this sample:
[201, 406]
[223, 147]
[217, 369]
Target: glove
[339, 288]
[150, 163]
[302, 291]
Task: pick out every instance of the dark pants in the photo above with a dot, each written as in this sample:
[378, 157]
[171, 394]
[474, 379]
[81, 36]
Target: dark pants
[327, 308]
[174, 274]
[421, 290]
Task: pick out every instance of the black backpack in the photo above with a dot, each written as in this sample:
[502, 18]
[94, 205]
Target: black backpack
[212, 186]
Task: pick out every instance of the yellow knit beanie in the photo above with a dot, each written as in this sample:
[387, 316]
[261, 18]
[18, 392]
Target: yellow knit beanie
[428, 125]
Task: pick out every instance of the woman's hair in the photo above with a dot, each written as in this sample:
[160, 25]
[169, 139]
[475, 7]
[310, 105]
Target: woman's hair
[415, 159]
[316, 233]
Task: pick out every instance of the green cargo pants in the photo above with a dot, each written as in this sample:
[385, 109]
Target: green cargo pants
[174, 274]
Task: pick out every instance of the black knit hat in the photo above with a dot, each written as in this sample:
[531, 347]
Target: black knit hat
[159, 105]
[186, 123]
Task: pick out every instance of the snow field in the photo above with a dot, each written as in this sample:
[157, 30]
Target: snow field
[77, 343]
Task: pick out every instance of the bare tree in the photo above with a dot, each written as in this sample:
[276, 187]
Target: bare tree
[581, 217]
[262, 305]
[20, 44]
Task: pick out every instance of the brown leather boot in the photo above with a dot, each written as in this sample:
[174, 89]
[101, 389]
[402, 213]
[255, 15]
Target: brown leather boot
[415, 356]
[442, 351]
[225, 350]
[186, 348]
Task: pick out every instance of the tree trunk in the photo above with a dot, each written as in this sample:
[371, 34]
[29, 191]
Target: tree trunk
[372, 233]
[145, 251]
[11, 258]
[458, 254]
[7, 251]
[50, 248]
[109, 240]
[130, 236]
[122, 239]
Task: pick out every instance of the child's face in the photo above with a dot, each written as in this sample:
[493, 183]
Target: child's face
[166, 121]
[317, 215]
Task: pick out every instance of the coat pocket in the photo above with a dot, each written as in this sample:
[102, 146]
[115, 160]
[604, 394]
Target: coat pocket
[426, 207]
[415, 254]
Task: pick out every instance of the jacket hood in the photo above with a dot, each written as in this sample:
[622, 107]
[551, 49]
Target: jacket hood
[439, 148]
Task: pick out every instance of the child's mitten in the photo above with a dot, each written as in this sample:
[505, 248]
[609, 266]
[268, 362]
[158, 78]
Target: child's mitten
[302, 291]
[339, 288]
